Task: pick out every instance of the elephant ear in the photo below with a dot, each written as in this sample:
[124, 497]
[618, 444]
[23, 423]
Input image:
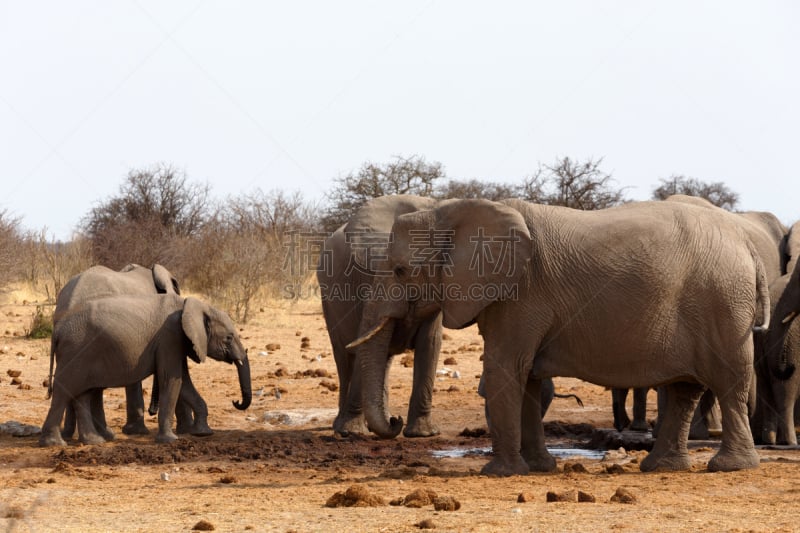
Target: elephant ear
[164, 281]
[368, 230]
[194, 322]
[484, 249]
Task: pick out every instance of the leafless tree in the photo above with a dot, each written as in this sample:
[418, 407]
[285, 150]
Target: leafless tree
[10, 247]
[575, 184]
[403, 175]
[474, 188]
[716, 192]
[154, 208]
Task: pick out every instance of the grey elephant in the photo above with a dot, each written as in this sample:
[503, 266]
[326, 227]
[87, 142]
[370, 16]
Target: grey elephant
[115, 341]
[650, 293]
[782, 347]
[100, 282]
[768, 236]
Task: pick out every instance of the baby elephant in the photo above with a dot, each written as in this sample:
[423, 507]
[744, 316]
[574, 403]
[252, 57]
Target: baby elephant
[115, 341]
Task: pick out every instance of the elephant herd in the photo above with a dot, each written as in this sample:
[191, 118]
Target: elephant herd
[677, 294]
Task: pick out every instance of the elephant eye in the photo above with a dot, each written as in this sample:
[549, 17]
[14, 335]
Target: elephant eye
[399, 271]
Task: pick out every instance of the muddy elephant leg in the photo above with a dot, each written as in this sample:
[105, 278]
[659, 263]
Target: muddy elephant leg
[87, 432]
[785, 395]
[639, 422]
[99, 415]
[427, 344]
[134, 401]
[533, 450]
[350, 418]
[618, 399]
[191, 403]
[698, 429]
[670, 451]
[546, 395]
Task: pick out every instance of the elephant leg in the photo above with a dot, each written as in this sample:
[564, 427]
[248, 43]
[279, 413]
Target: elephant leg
[51, 428]
[785, 399]
[191, 408]
[87, 433]
[99, 415]
[169, 384]
[69, 421]
[661, 405]
[548, 391]
[350, 418]
[736, 451]
[698, 430]
[534, 451]
[618, 398]
[639, 422]
[670, 450]
[134, 401]
[504, 391]
[427, 344]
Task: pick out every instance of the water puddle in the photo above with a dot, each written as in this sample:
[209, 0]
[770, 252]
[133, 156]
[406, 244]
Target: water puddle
[559, 453]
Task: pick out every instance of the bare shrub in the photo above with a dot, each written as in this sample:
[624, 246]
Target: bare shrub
[10, 247]
[478, 189]
[575, 184]
[155, 210]
[716, 192]
[49, 264]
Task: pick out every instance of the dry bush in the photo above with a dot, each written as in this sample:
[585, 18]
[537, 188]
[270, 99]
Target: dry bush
[716, 192]
[10, 248]
[575, 184]
[49, 264]
[240, 256]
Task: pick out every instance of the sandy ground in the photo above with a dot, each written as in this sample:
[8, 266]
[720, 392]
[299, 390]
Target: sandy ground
[274, 467]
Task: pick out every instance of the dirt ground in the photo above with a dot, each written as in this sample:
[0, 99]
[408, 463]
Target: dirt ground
[274, 466]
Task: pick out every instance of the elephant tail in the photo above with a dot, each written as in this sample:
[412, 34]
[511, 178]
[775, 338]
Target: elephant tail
[762, 290]
[577, 399]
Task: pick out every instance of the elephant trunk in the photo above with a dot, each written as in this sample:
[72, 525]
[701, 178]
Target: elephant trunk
[787, 291]
[243, 369]
[372, 356]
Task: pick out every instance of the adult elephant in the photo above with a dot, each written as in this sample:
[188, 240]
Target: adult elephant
[113, 341]
[782, 347]
[768, 236]
[101, 282]
[651, 293]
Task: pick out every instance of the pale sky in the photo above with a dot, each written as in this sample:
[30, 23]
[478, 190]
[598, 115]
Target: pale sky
[289, 95]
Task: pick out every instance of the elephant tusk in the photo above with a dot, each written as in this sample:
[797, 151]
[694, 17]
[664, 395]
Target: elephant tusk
[364, 338]
[238, 362]
[788, 318]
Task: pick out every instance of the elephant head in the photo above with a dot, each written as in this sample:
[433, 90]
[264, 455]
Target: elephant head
[787, 291]
[455, 259]
[212, 333]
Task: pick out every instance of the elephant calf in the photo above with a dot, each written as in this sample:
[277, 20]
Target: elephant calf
[116, 341]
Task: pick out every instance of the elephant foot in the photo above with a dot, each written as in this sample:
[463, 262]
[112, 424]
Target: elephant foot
[499, 467]
[51, 439]
[622, 422]
[135, 427]
[421, 427]
[165, 438]
[107, 434]
[346, 425]
[92, 438]
[200, 429]
[67, 434]
[668, 461]
[541, 463]
[729, 461]
[640, 425]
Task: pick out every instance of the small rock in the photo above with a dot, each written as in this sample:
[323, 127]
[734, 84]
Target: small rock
[585, 497]
[425, 524]
[614, 469]
[446, 503]
[227, 480]
[446, 337]
[330, 385]
[321, 373]
[407, 361]
[623, 496]
[566, 496]
[16, 381]
[450, 361]
[273, 346]
[14, 373]
[203, 525]
[164, 476]
[262, 353]
[24, 386]
[453, 388]
[525, 497]
[46, 383]
[298, 333]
